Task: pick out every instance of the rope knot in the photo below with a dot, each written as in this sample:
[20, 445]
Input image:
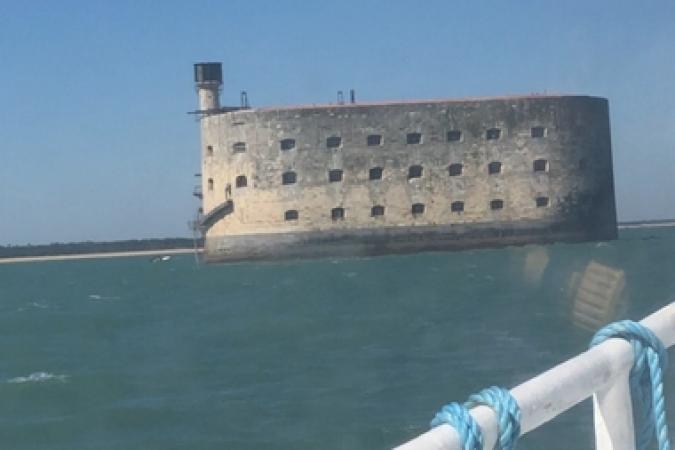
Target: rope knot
[646, 379]
[458, 417]
[470, 434]
[508, 413]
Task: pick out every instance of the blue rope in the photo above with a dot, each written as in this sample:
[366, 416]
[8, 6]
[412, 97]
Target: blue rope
[508, 413]
[646, 379]
[470, 434]
[458, 417]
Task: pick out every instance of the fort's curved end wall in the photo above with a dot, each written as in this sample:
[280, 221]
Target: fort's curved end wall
[435, 190]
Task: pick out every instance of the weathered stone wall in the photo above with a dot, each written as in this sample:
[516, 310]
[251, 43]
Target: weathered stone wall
[576, 180]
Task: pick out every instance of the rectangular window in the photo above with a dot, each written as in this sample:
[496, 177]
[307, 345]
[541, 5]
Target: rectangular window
[374, 140]
[335, 175]
[454, 136]
[493, 133]
[537, 132]
[288, 177]
[542, 202]
[375, 173]
[239, 147]
[417, 209]
[337, 213]
[415, 172]
[540, 165]
[291, 214]
[457, 206]
[497, 204]
[334, 142]
[455, 170]
[413, 138]
[287, 144]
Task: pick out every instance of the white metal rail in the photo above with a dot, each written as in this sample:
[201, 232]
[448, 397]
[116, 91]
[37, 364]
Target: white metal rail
[601, 372]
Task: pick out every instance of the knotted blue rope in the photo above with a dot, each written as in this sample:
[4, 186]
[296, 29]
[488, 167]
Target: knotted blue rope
[508, 413]
[458, 417]
[646, 379]
[470, 434]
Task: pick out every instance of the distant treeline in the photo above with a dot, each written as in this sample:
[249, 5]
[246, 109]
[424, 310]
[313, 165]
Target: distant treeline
[76, 248]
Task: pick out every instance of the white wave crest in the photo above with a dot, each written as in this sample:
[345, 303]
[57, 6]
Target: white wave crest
[39, 377]
[102, 297]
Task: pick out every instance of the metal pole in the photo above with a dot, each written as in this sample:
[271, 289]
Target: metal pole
[613, 416]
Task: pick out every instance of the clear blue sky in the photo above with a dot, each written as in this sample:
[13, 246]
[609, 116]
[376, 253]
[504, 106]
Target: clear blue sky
[95, 143]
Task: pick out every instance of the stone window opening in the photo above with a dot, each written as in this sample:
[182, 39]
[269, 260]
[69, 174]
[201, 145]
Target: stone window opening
[375, 173]
[209, 150]
[457, 207]
[289, 177]
[493, 134]
[455, 170]
[541, 202]
[494, 167]
[413, 138]
[417, 209]
[337, 213]
[209, 184]
[377, 211]
[239, 147]
[454, 136]
[241, 181]
[334, 142]
[374, 140]
[415, 172]
[540, 165]
[287, 144]
[335, 175]
[497, 204]
[538, 132]
[291, 214]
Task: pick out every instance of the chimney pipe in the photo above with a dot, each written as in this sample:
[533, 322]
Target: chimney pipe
[208, 81]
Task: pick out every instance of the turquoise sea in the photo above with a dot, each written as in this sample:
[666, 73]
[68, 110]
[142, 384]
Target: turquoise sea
[123, 353]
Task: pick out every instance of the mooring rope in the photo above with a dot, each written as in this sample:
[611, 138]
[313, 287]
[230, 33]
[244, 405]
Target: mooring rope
[646, 379]
[470, 434]
[508, 413]
[646, 385]
[458, 417]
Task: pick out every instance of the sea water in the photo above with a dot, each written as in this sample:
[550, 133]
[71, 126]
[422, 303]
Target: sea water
[360, 353]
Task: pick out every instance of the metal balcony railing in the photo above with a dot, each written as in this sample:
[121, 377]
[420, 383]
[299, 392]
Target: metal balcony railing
[197, 192]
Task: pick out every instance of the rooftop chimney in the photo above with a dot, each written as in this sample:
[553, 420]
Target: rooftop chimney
[208, 81]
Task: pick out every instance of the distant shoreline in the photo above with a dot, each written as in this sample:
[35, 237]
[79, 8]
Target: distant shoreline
[182, 251]
[172, 251]
[647, 224]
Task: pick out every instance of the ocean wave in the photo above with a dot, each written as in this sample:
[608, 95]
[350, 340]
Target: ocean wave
[38, 377]
[102, 297]
[39, 305]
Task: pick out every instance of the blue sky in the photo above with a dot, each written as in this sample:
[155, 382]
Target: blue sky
[95, 143]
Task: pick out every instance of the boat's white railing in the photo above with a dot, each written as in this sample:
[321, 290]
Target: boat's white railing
[601, 372]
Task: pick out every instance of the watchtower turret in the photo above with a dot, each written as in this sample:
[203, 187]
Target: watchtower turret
[208, 81]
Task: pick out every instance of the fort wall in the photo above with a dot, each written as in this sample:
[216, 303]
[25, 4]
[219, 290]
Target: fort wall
[377, 178]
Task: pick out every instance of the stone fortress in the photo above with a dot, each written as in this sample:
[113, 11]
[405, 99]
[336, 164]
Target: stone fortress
[373, 178]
